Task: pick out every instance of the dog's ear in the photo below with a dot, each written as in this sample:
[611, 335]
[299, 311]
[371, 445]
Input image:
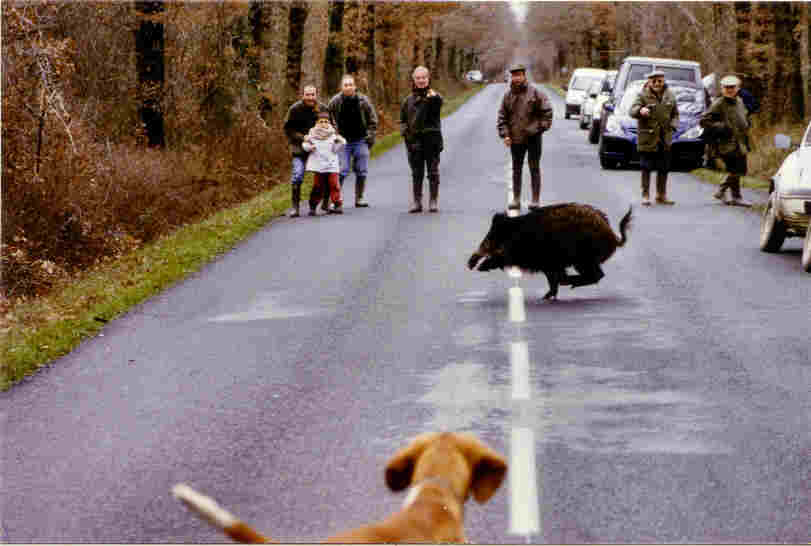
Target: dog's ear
[400, 468]
[488, 474]
[488, 467]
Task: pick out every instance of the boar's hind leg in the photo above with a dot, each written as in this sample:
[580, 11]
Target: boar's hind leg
[554, 278]
[589, 274]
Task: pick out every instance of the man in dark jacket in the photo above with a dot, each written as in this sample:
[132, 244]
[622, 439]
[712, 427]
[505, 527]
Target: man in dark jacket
[656, 110]
[354, 116]
[525, 114]
[727, 122]
[301, 117]
[421, 128]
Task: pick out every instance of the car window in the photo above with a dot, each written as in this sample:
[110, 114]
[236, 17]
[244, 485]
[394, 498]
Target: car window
[629, 97]
[639, 71]
[582, 83]
[608, 83]
[677, 73]
[594, 88]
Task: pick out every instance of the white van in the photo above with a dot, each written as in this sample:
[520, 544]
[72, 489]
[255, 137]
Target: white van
[581, 80]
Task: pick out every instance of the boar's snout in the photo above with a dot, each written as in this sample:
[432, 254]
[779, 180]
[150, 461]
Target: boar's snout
[474, 259]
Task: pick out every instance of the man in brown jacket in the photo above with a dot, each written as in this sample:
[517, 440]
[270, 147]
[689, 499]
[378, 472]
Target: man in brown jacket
[525, 114]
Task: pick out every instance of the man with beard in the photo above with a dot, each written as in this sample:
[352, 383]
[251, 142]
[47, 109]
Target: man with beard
[301, 117]
[421, 128]
[355, 119]
[656, 110]
[525, 114]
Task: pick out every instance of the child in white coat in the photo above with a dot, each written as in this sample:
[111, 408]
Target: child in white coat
[323, 144]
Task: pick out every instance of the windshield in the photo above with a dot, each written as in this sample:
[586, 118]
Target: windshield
[581, 83]
[672, 73]
[689, 100]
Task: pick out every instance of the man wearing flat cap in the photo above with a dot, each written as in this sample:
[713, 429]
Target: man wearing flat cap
[726, 121]
[657, 114]
[525, 114]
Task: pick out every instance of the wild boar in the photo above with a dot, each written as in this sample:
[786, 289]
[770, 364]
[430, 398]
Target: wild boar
[549, 240]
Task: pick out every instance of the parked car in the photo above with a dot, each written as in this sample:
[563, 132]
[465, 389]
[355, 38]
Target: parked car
[474, 76]
[636, 68]
[788, 211]
[593, 107]
[619, 136]
[581, 79]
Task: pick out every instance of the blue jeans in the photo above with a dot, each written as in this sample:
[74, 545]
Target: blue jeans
[298, 170]
[355, 154]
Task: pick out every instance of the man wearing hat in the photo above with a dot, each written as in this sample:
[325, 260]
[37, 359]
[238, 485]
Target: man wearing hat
[655, 108]
[525, 114]
[727, 122]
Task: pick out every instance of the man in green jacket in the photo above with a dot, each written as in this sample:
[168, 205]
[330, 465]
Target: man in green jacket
[727, 123]
[655, 108]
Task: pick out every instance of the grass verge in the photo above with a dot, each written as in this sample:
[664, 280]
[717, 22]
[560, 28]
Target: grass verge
[35, 332]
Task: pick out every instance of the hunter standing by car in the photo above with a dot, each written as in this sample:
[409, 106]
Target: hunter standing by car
[656, 110]
[727, 123]
[525, 114]
[421, 127]
[301, 117]
[354, 116]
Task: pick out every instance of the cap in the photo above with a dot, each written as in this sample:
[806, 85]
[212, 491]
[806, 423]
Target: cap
[729, 81]
[518, 68]
[655, 74]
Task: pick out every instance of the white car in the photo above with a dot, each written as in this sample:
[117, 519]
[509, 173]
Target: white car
[474, 76]
[593, 107]
[788, 211]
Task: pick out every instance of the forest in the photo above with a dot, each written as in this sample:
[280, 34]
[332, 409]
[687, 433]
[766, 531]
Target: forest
[124, 120]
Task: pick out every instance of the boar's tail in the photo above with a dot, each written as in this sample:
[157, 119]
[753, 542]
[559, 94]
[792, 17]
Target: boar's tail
[625, 223]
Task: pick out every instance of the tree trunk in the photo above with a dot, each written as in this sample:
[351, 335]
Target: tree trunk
[149, 49]
[334, 57]
[271, 30]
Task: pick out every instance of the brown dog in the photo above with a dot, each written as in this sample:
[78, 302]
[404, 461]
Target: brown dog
[443, 469]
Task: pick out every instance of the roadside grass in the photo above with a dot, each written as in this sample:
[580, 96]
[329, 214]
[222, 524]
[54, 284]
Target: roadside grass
[37, 331]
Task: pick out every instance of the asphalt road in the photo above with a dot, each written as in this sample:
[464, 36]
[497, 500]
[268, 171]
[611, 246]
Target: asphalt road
[667, 404]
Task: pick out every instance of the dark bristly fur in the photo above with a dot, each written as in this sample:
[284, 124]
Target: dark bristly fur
[550, 239]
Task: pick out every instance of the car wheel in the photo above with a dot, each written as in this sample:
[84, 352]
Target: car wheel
[594, 133]
[806, 259]
[583, 122]
[772, 230]
[567, 115]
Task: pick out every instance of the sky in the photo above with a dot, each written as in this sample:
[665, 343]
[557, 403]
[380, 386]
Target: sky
[519, 7]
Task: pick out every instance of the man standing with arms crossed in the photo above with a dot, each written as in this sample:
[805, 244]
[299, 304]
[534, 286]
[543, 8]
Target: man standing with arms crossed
[525, 114]
[355, 119]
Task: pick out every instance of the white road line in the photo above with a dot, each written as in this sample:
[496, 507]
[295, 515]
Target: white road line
[517, 312]
[524, 518]
[519, 359]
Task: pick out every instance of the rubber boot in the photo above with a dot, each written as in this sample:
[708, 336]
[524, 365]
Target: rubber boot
[536, 192]
[515, 204]
[360, 185]
[737, 199]
[433, 188]
[646, 188]
[416, 204]
[661, 189]
[722, 190]
[295, 198]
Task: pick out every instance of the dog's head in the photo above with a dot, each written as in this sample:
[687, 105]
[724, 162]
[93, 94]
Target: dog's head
[462, 459]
